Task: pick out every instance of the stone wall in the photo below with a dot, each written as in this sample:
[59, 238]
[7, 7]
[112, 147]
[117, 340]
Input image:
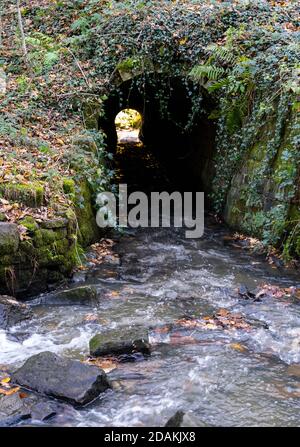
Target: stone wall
[38, 259]
[264, 196]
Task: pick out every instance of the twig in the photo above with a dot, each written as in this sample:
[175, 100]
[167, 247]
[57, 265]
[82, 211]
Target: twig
[79, 66]
[23, 39]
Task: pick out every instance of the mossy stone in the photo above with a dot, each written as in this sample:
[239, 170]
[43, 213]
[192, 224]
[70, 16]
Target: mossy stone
[9, 238]
[52, 224]
[31, 194]
[29, 223]
[68, 186]
[88, 228]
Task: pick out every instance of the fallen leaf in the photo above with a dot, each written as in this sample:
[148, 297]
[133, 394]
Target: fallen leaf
[107, 364]
[23, 395]
[91, 317]
[223, 312]
[10, 391]
[238, 347]
[211, 326]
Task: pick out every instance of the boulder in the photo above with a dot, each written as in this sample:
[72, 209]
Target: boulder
[110, 343]
[45, 410]
[55, 223]
[9, 238]
[182, 419]
[62, 378]
[81, 296]
[12, 311]
[13, 409]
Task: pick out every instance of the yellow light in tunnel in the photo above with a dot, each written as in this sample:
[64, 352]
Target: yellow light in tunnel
[128, 123]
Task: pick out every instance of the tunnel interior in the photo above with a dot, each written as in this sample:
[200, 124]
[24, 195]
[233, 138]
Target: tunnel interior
[180, 141]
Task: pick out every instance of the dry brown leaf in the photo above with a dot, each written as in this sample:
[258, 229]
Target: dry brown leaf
[106, 364]
[10, 391]
[238, 347]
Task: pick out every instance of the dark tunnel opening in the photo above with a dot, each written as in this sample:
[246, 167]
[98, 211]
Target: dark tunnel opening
[180, 141]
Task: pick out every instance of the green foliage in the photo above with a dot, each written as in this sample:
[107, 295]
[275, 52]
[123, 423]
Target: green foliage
[92, 167]
[202, 73]
[243, 56]
[44, 51]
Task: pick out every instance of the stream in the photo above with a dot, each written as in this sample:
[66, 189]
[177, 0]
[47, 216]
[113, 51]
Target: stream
[224, 376]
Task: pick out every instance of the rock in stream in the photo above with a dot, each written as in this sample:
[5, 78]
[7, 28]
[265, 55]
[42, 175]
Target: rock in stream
[80, 296]
[62, 378]
[110, 343]
[182, 419]
[12, 311]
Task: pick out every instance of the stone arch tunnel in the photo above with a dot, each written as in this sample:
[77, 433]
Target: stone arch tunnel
[186, 154]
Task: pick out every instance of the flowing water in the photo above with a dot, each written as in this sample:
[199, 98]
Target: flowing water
[227, 377]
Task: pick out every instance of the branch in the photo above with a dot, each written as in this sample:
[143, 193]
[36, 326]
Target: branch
[79, 67]
[23, 39]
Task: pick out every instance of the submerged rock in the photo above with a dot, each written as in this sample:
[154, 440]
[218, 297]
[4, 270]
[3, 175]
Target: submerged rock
[45, 410]
[13, 409]
[12, 312]
[16, 408]
[110, 343]
[63, 378]
[82, 296]
[182, 419]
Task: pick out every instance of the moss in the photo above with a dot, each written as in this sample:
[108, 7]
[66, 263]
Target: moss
[2, 217]
[29, 223]
[53, 246]
[43, 237]
[91, 112]
[61, 233]
[47, 257]
[9, 239]
[69, 186]
[70, 215]
[27, 247]
[7, 279]
[88, 229]
[53, 224]
[96, 342]
[31, 194]
[70, 260]
[7, 259]
[61, 246]
[259, 201]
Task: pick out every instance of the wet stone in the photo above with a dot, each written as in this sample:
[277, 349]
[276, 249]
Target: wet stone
[9, 238]
[14, 409]
[54, 223]
[128, 345]
[12, 312]
[182, 419]
[44, 411]
[62, 378]
[81, 296]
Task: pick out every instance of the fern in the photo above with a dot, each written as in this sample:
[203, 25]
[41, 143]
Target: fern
[217, 85]
[222, 54]
[206, 72]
